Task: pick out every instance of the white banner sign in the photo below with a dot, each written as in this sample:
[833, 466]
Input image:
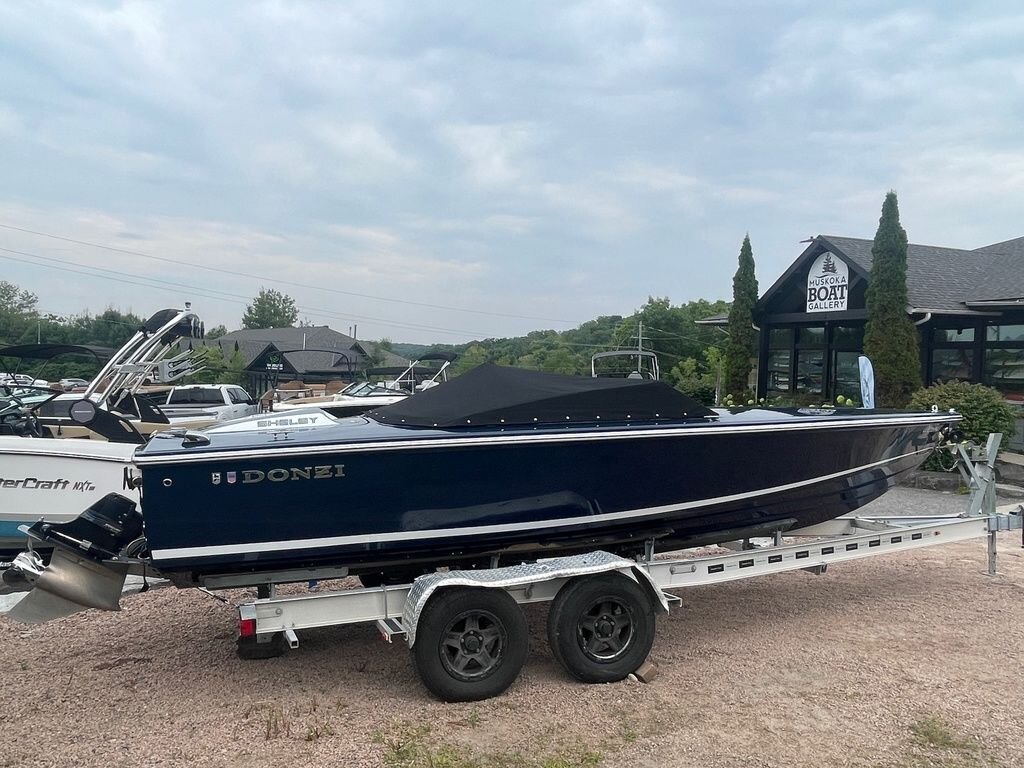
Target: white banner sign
[867, 382]
[828, 284]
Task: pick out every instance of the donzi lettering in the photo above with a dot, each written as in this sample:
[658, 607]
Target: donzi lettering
[828, 284]
[280, 474]
[36, 484]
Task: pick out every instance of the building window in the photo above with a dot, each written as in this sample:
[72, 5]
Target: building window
[780, 338]
[952, 364]
[778, 370]
[812, 336]
[848, 337]
[1005, 333]
[780, 360]
[1004, 360]
[810, 364]
[953, 335]
[846, 374]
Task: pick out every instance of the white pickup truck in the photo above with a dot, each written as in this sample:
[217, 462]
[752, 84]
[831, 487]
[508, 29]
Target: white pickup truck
[220, 402]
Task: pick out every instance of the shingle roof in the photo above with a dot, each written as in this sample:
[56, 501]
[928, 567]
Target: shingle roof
[388, 358]
[313, 348]
[947, 279]
[250, 349]
[314, 336]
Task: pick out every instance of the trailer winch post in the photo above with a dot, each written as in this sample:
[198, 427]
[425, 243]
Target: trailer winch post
[977, 466]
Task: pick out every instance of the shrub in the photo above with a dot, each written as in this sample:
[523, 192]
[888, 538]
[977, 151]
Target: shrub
[982, 408]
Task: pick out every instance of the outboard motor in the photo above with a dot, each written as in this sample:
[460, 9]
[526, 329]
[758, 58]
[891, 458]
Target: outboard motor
[88, 566]
[102, 531]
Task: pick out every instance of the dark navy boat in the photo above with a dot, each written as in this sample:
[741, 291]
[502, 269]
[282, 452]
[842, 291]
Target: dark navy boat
[498, 463]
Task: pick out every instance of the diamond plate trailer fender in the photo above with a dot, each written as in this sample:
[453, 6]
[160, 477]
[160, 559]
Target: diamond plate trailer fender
[528, 583]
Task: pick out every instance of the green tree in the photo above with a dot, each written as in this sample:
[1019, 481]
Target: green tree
[671, 331]
[271, 309]
[112, 328]
[475, 355]
[18, 312]
[216, 332]
[890, 339]
[215, 366]
[235, 367]
[742, 336]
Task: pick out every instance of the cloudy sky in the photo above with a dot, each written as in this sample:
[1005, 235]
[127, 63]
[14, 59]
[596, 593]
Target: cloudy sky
[451, 170]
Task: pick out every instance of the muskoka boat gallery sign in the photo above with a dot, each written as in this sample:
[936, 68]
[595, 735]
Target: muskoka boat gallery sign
[828, 284]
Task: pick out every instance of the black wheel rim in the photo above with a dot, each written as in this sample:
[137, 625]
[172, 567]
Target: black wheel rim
[605, 630]
[472, 645]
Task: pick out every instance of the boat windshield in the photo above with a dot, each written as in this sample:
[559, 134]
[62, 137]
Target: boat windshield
[366, 389]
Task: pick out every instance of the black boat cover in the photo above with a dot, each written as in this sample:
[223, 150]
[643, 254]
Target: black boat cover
[490, 395]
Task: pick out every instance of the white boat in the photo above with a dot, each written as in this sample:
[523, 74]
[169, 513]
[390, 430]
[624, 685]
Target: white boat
[142, 360]
[50, 479]
[636, 363]
[55, 480]
[362, 396]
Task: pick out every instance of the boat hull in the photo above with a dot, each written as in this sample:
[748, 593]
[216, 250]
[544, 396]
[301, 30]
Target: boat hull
[448, 499]
[54, 480]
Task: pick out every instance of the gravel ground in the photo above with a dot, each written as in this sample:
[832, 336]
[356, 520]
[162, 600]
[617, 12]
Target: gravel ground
[904, 660]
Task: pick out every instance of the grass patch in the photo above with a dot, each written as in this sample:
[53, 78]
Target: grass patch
[275, 724]
[576, 760]
[412, 747]
[931, 731]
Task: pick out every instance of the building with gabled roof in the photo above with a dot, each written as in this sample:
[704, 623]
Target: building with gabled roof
[968, 306]
[311, 354]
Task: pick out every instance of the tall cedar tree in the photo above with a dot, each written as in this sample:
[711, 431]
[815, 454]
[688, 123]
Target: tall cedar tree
[742, 336]
[890, 338]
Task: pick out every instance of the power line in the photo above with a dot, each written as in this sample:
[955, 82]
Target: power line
[209, 293]
[278, 281]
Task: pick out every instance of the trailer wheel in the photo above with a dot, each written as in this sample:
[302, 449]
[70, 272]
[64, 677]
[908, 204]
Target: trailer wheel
[601, 628]
[470, 643]
[247, 648]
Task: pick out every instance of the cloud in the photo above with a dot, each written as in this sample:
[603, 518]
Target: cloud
[493, 155]
[537, 160]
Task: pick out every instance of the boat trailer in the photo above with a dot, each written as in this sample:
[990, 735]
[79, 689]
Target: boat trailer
[468, 637]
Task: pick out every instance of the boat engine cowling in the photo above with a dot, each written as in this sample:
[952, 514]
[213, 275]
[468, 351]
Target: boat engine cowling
[101, 531]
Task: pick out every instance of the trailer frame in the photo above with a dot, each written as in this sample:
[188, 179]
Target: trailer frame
[268, 625]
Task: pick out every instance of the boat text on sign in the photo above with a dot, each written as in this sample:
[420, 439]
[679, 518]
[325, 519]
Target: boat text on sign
[828, 284]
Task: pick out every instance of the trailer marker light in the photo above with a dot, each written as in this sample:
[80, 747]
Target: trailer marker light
[247, 627]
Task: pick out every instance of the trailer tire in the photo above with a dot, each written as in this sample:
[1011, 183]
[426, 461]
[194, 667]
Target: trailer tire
[601, 628]
[470, 643]
[247, 648]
